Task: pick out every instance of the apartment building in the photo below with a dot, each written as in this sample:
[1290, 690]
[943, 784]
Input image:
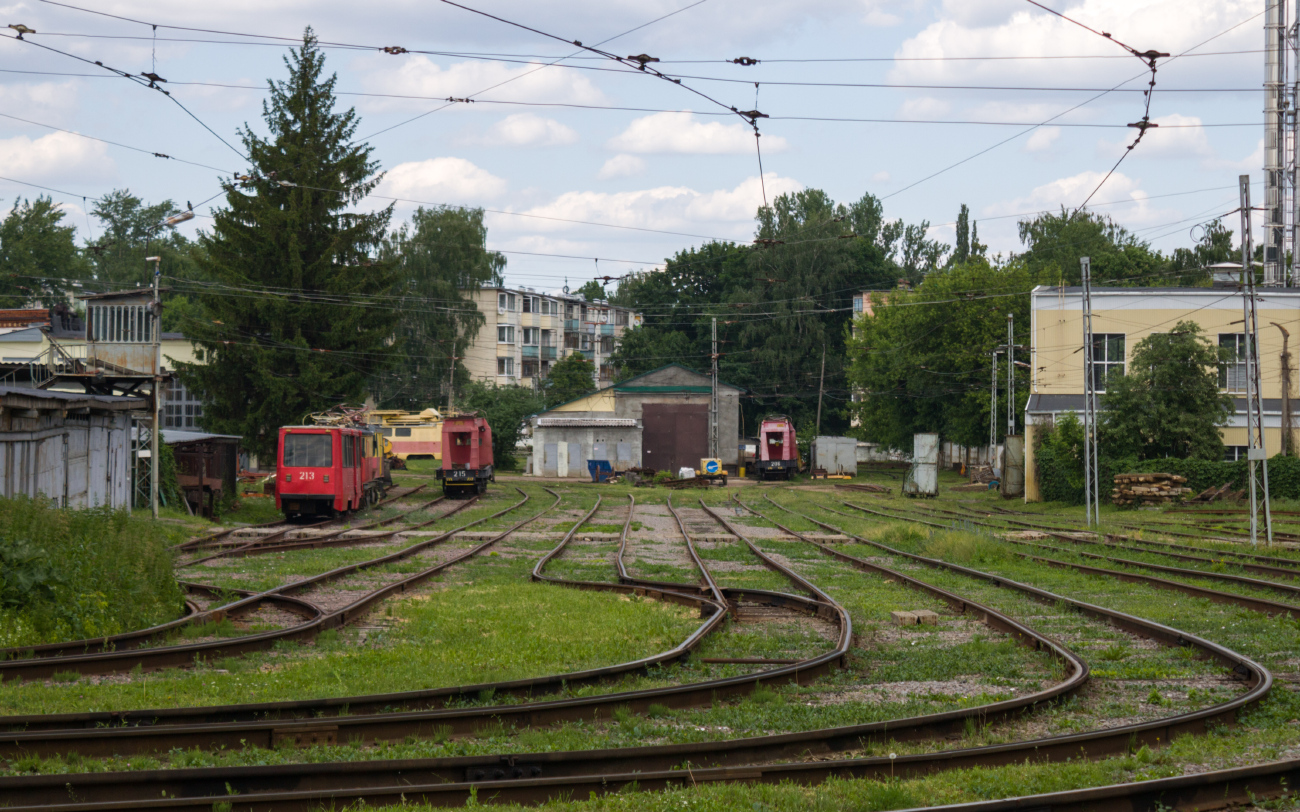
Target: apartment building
[1124, 316]
[526, 331]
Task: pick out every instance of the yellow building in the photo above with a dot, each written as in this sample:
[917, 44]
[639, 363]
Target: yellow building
[1124, 316]
[525, 332]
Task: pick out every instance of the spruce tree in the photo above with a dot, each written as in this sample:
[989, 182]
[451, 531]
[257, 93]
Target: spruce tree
[286, 328]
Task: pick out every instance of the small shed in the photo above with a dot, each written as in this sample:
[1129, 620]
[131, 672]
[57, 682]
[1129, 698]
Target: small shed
[835, 455]
[659, 419]
[71, 448]
[207, 466]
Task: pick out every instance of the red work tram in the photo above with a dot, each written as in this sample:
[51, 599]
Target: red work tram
[778, 454]
[328, 470]
[466, 455]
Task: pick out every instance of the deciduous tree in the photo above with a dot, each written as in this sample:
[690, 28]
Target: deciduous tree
[1168, 403]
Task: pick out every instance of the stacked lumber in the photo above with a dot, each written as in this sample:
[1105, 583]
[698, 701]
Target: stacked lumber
[1215, 493]
[980, 474]
[867, 487]
[1149, 489]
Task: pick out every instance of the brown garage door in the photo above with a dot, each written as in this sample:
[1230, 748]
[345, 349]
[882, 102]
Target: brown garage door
[675, 435]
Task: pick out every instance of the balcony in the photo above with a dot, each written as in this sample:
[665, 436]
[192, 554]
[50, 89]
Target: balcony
[548, 353]
[571, 325]
[607, 329]
[530, 351]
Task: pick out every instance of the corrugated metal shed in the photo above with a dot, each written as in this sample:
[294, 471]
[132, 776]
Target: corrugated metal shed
[71, 448]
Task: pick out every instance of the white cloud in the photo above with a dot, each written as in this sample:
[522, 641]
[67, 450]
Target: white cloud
[419, 76]
[1042, 139]
[441, 180]
[977, 27]
[681, 133]
[880, 177]
[528, 130]
[40, 100]
[621, 166]
[1176, 137]
[923, 108]
[57, 156]
[668, 207]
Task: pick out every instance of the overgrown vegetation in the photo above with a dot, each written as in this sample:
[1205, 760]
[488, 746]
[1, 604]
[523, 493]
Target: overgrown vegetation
[71, 574]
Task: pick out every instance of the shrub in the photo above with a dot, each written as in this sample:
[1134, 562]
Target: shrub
[71, 574]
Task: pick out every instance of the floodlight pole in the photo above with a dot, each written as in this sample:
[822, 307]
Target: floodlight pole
[713, 396]
[1256, 455]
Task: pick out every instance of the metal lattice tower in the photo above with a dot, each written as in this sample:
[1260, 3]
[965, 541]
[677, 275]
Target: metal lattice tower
[1091, 488]
[1256, 454]
[1280, 98]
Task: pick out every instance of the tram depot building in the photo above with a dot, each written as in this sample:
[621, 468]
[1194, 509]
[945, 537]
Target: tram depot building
[658, 420]
[1122, 317]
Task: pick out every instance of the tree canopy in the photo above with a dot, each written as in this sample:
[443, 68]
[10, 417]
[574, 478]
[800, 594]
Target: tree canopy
[570, 378]
[130, 231]
[1168, 403]
[288, 327]
[37, 252]
[439, 260]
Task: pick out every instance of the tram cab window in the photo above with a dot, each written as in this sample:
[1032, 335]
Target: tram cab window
[308, 451]
[403, 432]
[462, 439]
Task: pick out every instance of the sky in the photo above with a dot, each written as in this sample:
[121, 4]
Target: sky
[926, 104]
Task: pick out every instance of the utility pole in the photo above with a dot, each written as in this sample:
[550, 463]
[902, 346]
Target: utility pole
[451, 381]
[993, 407]
[154, 443]
[1256, 455]
[1091, 487]
[821, 387]
[713, 399]
[1011, 374]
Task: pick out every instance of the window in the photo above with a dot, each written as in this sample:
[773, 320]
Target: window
[1107, 358]
[119, 323]
[530, 304]
[308, 450]
[582, 313]
[387, 432]
[620, 318]
[1232, 453]
[505, 301]
[586, 342]
[607, 344]
[532, 336]
[182, 409]
[529, 368]
[604, 316]
[548, 338]
[505, 334]
[571, 341]
[550, 307]
[506, 366]
[349, 452]
[403, 432]
[606, 372]
[1232, 362]
[569, 311]
[857, 304]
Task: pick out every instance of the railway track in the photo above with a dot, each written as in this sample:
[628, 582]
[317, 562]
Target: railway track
[128, 651]
[534, 777]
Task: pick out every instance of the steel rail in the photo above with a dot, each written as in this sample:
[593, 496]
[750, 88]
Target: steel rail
[203, 540]
[104, 659]
[518, 778]
[107, 785]
[1061, 534]
[163, 719]
[262, 546]
[1270, 565]
[1262, 605]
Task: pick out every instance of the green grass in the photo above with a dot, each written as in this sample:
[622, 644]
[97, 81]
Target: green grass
[71, 574]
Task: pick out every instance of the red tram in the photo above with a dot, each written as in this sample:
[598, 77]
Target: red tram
[466, 455]
[328, 470]
[778, 451]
